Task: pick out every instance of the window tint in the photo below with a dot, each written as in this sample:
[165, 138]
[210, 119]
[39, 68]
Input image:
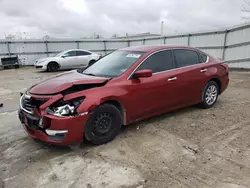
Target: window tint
[160, 61]
[82, 53]
[186, 58]
[70, 54]
[202, 57]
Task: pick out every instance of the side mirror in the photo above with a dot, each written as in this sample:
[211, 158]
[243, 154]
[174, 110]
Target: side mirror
[143, 73]
[63, 56]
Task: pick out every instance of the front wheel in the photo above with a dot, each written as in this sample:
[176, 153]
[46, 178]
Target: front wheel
[52, 67]
[103, 125]
[210, 94]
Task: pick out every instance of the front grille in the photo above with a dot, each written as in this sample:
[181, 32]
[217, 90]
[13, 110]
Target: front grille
[32, 121]
[30, 104]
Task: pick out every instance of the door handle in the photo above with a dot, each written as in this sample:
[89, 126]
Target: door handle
[203, 70]
[172, 79]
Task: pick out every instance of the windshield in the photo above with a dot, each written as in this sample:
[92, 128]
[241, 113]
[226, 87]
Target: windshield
[58, 55]
[114, 64]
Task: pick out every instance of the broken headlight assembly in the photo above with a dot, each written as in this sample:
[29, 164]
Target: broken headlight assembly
[65, 108]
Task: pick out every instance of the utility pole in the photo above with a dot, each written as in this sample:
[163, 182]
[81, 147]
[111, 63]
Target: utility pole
[162, 25]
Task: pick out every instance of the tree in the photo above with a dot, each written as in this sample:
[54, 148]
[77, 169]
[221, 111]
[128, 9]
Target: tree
[246, 10]
[10, 37]
[114, 35]
[46, 37]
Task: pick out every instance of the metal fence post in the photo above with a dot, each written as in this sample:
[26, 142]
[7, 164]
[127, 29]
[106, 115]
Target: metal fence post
[105, 47]
[189, 36]
[77, 45]
[128, 43]
[224, 45]
[8, 47]
[47, 48]
[164, 40]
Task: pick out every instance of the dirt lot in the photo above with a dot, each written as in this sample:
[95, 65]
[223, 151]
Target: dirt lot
[187, 148]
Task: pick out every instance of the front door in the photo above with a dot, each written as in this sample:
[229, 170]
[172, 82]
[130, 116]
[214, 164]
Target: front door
[149, 96]
[69, 59]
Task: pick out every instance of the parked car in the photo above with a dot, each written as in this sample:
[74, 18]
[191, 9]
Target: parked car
[10, 62]
[69, 59]
[123, 87]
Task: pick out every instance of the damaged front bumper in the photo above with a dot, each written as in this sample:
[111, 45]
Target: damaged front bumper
[57, 130]
[53, 129]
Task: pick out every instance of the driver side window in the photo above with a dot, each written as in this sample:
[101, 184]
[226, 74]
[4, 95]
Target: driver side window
[70, 54]
[158, 62]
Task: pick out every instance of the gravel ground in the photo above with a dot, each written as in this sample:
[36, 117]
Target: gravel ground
[186, 148]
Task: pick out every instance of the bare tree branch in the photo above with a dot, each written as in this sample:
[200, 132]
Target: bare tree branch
[247, 2]
[246, 10]
[245, 17]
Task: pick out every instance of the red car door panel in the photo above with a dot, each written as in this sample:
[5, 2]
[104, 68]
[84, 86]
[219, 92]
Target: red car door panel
[151, 95]
[191, 83]
[192, 76]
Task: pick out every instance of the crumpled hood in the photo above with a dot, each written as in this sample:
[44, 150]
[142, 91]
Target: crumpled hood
[63, 81]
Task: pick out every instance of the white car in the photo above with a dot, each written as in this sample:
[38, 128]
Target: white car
[70, 59]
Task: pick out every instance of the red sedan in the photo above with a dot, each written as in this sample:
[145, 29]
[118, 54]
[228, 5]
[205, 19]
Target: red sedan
[125, 86]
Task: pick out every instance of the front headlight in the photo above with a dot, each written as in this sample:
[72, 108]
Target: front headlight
[65, 108]
[40, 62]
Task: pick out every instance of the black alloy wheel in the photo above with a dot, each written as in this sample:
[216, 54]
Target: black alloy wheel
[53, 67]
[103, 125]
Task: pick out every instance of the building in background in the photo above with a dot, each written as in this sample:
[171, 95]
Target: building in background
[140, 35]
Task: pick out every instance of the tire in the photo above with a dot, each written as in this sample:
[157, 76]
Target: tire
[210, 95]
[92, 62]
[17, 66]
[52, 67]
[103, 125]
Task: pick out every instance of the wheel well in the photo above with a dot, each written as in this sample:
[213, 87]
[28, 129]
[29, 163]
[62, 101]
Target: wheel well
[120, 108]
[218, 82]
[54, 62]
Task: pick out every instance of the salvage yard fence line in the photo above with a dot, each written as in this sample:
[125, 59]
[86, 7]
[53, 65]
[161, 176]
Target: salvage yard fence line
[232, 45]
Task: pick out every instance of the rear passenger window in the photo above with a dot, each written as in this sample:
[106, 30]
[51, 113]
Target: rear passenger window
[158, 62]
[203, 58]
[70, 54]
[186, 58]
[82, 53]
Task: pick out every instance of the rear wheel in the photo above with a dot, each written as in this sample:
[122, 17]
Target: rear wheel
[103, 125]
[52, 67]
[210, 94]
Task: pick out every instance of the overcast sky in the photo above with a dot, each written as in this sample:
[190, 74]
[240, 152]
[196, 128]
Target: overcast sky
[82, 18]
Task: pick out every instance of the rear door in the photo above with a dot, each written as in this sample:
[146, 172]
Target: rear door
[69, 59]
[83, 58]
[191, 68]
[149, 96]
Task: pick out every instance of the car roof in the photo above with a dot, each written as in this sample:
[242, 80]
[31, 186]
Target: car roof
[149, 48]
[76, 50]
